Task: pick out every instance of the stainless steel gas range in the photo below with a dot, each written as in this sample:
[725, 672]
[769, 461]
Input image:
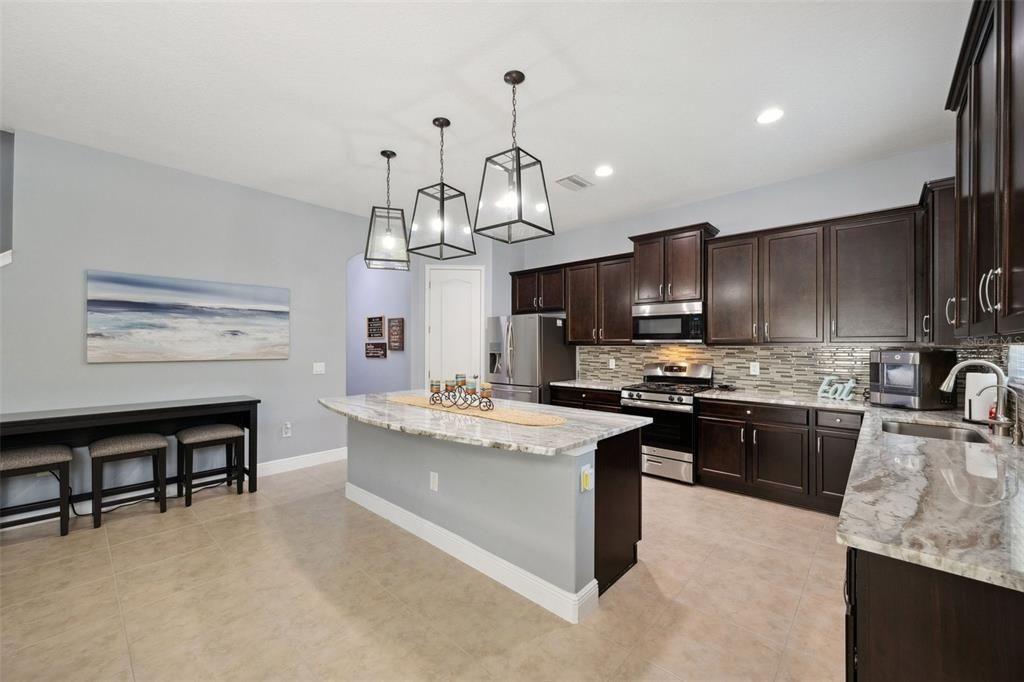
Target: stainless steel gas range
[666, 396]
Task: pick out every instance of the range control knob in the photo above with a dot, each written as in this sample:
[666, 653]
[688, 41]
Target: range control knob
[671, 398]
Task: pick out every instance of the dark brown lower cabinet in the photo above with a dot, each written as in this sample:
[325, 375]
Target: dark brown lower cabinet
[779, 457]
[723, 448]
[907, 622]
[833, 456]
[617, 507]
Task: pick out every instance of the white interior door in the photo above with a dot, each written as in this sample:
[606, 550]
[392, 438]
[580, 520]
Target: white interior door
[455, 321]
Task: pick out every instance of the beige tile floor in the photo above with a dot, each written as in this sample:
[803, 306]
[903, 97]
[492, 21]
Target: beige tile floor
[296, 583]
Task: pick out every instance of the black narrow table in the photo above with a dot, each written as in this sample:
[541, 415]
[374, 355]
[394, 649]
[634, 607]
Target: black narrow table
[79, 426]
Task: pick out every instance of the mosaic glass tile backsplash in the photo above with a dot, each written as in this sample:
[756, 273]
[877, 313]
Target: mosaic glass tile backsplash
[797, 368]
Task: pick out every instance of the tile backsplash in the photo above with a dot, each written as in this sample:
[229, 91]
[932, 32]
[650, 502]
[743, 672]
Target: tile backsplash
[795, 367]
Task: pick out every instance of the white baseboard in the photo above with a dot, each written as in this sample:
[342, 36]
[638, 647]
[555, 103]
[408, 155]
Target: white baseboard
[567, 605]
[274, 466]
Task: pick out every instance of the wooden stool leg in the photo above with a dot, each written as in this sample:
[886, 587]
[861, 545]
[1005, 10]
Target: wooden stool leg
[188, 475]
[156, 476]
[64, 471]
[97, 492]
[239, 451]
[181, 469]
[162, 477]
[228, 456]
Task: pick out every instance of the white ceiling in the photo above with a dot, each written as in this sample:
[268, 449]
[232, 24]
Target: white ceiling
[297, 99]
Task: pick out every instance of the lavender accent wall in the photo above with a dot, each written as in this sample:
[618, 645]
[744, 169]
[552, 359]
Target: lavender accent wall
[375, 292]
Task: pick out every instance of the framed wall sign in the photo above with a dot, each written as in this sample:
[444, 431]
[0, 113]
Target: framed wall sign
[396, 333]
[376, 350]
[375, 327]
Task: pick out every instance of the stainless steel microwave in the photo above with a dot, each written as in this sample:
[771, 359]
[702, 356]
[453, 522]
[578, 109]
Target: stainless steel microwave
[669, 322]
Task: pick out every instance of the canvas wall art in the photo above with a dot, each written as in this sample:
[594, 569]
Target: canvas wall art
[141, 318]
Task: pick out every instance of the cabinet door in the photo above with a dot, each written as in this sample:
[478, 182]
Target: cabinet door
[732, 291]
[682, 267]
[832, 460]
[524, 293]
[872, 279]
[721, 448]
[551, 289]
[615, 314]
[793, 285]
[581, 303]
[986, 223]
[964, 217]
[649, 270]
[779, 457]
[942, 232]
[1011, 242]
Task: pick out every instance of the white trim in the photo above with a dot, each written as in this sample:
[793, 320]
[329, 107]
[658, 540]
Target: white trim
[426, 314]
[6, 257]
[572, 607]
[274, 466]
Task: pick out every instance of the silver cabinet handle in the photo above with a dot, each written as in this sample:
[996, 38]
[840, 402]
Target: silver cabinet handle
[661, 290]
[755, 436]
[981, 286]
[819, 443]
[924, 324]
[541, 299]
[593, 334]
[670, 289]
[949, 320]
[766, 330]
[583, 395]
[534, 301]
[833, 327]
[653, 461]
[755, 330]
[600, 333]
[741, 435]
[748, 411]
[992, 275]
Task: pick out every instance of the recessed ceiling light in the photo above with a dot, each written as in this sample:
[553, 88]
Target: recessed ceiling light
[603, 171]
[770, 115]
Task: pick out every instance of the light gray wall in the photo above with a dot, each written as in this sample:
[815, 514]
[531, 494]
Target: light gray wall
[76, 209]
[527, 509]
[886, 183]
[368, 293]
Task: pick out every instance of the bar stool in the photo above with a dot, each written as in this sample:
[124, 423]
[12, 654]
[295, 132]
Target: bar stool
[36, 458]
[230, 436]
[128, 446]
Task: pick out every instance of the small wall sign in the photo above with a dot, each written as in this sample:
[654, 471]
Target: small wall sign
[376, 350]
[396, 333]
[375, 327]
[835, 391]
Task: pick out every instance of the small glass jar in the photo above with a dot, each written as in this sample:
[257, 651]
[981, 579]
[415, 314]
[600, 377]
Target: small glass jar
[460, 379]
[435, 385]
[471, 386]
[485, 390]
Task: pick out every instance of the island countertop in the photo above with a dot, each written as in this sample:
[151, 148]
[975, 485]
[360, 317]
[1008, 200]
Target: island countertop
[952, 506]
[581, 432]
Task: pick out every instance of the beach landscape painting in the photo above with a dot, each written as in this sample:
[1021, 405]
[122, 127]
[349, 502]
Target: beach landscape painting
[141, 318]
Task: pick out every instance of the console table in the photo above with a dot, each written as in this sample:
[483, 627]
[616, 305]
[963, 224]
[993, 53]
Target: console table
[79, 426]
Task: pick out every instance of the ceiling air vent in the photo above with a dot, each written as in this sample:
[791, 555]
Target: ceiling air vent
[574, 183]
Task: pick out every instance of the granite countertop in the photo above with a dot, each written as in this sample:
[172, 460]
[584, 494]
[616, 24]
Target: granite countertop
[593, 385]
[956, 507]
[581, 432]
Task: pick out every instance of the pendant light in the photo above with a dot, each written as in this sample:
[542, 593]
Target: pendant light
[386, 241]
[440, 218]
[513, 195]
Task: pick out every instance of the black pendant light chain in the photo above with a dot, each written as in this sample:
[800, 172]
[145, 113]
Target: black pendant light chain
[442, 155]
[514, 113]
[387, 183]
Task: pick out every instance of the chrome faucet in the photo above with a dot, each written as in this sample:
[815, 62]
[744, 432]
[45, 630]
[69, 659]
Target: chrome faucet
[1015, 431]
[1000, 422]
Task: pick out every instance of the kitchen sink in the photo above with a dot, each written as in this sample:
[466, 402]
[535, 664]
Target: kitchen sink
[932, 431]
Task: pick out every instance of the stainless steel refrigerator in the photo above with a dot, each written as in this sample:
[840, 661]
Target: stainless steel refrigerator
[525, 353]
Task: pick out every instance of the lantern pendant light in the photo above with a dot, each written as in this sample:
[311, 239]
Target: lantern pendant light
[513, 203]
[386, 241]
[440, 218]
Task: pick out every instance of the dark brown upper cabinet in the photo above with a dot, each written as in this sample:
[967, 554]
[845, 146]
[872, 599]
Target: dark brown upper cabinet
[732, 315]
[988, 96]
[937, 273]
[872, 278]
[538, 291]
[793, 285]
[668, 266]
[598, 301]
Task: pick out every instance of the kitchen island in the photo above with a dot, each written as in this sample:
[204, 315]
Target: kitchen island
[552, 512]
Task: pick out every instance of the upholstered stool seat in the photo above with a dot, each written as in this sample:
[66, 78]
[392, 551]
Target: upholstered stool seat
[201, 434]
[230, 436]
[128, 446]
[36, 458]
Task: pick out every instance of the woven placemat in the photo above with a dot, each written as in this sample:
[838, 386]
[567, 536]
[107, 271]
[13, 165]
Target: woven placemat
[498, 414]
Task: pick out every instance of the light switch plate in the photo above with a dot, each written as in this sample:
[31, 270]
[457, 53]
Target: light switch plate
[319, 368]
[433, 481]
[755, 368]
[611, 363]
[286, 430]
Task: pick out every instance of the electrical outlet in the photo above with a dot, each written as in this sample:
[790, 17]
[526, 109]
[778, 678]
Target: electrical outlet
[433, 481]
[319, 368]
[286, 430]
[611, 363]
[586, 477]
[755, 368]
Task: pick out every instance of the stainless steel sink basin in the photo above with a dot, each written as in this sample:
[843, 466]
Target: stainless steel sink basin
[932, 431]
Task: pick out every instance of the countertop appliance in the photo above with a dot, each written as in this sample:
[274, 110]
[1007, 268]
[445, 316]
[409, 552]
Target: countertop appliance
[910, 378]
[669, 322]
[666, 395]
[525, 353]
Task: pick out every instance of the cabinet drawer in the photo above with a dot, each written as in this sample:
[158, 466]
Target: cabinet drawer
[602, 397]
[839, 420]
[563, 394]
[585, 398]
[797, 416]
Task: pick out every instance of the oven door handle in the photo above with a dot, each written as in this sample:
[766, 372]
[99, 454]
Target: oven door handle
[666, 407]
